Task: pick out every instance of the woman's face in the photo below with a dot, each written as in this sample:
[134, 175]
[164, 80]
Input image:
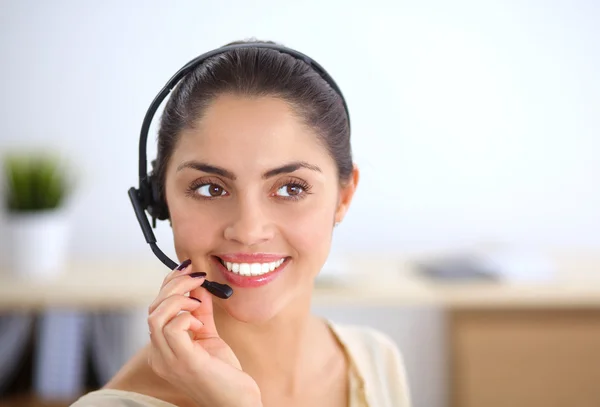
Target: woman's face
[253, 196]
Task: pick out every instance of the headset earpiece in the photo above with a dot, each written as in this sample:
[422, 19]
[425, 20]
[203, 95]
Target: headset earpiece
[155, 205]
[159, 207]
[151, 199]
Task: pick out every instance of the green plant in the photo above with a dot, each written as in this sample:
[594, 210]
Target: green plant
[34, 182]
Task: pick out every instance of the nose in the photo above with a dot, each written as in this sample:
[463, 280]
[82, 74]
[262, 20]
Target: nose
[250, 226]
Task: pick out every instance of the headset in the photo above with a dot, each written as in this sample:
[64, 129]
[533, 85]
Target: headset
[147, 196]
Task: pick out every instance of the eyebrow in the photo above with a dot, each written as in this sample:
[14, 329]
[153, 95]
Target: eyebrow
[211, 169]
[289, 168]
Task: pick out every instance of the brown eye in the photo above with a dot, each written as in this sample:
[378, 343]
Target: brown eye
[293, 190]
[211, 190]
[290, 190]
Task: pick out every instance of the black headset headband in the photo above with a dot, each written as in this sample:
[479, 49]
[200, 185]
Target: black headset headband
[190, 66]
[145, 198]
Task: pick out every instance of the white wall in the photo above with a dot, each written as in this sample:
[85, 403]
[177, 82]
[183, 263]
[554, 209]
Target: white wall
[471, 120]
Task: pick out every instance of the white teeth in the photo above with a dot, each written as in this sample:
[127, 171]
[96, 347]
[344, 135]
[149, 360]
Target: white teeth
[245, 269]
[256, 269]
[253, 269]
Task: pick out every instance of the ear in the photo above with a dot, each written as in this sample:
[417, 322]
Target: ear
[346, 194]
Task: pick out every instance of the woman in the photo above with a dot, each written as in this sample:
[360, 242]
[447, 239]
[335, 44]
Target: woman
[255, 165]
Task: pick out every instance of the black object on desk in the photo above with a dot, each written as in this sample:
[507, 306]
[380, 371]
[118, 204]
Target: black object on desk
[457, 269]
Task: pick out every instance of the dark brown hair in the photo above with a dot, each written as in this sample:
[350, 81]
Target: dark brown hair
[257, 72]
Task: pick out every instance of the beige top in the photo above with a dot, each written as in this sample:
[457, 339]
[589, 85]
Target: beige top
[377, 375]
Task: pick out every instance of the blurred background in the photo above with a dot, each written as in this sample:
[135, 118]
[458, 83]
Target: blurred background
[475, 124]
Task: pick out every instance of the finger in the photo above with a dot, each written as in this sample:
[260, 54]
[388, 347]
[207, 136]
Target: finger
[176, 334]
[177, 271]
[164, 312]
[205, 313]
[178, 285]
[160, 349]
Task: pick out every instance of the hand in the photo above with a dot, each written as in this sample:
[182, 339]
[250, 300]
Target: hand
[186, 349]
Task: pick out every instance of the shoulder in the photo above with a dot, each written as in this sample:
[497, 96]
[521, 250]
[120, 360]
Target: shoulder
[366, 338]
[378, 361]
[369, 346]
[118, 398]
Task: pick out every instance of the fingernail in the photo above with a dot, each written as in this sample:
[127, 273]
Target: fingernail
[198, 274]
[194, 298]
[184, 264]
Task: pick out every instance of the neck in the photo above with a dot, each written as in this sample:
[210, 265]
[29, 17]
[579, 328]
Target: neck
[281, 349]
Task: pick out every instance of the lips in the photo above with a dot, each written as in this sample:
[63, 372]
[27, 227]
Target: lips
[254, 270]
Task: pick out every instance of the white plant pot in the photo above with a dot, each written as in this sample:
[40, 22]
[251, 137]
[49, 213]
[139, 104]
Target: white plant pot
[38, 244]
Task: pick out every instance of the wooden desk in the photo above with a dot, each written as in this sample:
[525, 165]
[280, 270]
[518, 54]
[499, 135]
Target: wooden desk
[393, 281]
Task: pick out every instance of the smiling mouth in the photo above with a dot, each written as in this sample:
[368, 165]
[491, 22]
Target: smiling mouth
[252, 269]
